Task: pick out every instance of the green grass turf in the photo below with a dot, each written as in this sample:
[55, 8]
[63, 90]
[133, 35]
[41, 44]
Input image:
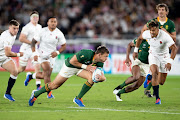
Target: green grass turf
[100, 102]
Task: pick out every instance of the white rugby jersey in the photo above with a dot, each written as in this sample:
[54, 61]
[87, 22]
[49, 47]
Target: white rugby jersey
[49, 40]
[6, 40]
[29, 30]
[159, 44]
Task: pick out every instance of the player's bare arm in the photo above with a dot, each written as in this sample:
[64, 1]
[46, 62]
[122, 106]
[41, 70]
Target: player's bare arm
[54, 54]
[139, 41]
[33, 43]
[173, 49]
[128, 50]
[74, 61]
[23, 39]
[9, 53]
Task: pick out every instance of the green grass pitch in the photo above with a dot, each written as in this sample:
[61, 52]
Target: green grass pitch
[100, 102]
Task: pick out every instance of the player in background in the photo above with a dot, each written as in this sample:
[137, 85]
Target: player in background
[140, 69]
[166, 25]
[49, 38]
[82, 64]
[26, 36]
[159, 59]
[7, 40]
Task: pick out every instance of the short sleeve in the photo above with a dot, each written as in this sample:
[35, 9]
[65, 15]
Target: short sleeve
[37, 36]
[145, 34]
[61, 39]
[25, 30]
[81, 56]
[173, 29]
[169, 40]
[6, 42]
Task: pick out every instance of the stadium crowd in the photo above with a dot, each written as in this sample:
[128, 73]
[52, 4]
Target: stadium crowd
[112, 19]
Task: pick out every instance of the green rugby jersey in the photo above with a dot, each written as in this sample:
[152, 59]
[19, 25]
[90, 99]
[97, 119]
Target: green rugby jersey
[84, 56]
[143, 51]
[168, 25]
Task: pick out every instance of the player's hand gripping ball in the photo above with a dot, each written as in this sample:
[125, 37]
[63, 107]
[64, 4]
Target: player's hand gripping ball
[96, 74]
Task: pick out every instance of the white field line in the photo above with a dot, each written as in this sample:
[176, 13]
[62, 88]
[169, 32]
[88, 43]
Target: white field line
[140, 111]
[84, 109]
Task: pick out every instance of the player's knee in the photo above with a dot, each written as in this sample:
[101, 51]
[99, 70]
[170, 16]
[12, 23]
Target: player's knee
[136, 77]
[14, 72]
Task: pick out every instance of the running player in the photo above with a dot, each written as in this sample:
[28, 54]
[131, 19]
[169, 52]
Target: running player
[26, 36]
[49, 38]
[82, 64]
[140, 69]
[7, 39]
[166, 25]
[159, 59]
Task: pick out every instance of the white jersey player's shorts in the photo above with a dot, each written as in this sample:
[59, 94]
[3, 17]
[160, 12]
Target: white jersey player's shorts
[7, 59]
[67, 72]
[47, 59]
[160, 61]
[27, 55]
[144, 68]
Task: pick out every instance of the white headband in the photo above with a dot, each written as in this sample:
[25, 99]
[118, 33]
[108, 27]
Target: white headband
[34, 15]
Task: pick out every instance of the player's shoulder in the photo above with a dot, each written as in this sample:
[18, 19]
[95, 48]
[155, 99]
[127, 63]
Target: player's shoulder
[39, 26]
[58, 30]
[5, 33]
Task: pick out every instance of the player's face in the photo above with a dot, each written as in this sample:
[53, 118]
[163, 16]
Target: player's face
[13, 29]
[154, 31]
[103, 57]
[162, 12]
[52, 23]
[35, 19]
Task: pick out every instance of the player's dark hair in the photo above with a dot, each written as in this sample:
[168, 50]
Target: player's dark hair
[102, 50]
[34, 12]
[162, 5]
[14, 22]
[153, 23]
[51, 17]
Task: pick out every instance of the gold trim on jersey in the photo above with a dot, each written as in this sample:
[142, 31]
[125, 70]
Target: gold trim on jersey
[158, 19]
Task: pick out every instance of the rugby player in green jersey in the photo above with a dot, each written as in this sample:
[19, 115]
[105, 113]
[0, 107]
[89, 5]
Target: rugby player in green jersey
[82, 64]
[140, 68]
[166, 25]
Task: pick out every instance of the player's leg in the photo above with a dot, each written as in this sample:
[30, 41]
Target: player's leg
[10, 66]
[148, 85]
[63, 75]
[134, 86]
[37, 68]
[59, 80]
[162, 78]
[85, 88]
[155, 83]
[87, 85]
[136, 75]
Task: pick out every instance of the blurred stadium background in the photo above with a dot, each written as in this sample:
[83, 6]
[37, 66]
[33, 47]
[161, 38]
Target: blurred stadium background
[87, 24]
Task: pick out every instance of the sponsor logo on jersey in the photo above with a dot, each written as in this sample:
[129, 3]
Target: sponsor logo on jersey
[167, 27]
[81, 56]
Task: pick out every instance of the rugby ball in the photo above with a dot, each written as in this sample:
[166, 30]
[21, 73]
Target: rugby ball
[98, 71]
